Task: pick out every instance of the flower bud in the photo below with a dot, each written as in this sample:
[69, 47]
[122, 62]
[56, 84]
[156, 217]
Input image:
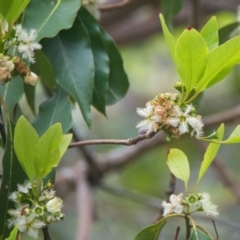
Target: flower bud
[54, 205]
[31, 78]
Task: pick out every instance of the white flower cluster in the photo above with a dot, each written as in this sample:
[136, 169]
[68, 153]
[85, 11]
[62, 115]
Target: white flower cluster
[165, 113]
[11, 66]
[191, 203]
[31, 214]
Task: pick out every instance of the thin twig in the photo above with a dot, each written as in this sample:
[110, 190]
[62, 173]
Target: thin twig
[128, 142]
[46, 235]
[177, 233]
[133, 195]
[114, 6]
[215, 228]
[195, 13]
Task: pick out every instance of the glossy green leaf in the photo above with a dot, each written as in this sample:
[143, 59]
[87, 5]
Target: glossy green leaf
[170, 9]
[210, 33]
[234, 137]
[169, 38]
[13, 234]
[220, 62]
[72, 62]
[199, 235]
[101, 60]
[210, 154]
[25, 140]
[43, 69]
[191, 55]
[151, 232]
[51, 111]
[13, 175]
[225, 32]
[50, 17]
[118, 81]
[12, 9]
[47, 151]
[12, 93]
[30, 96]
[178, 164]
[65, 143]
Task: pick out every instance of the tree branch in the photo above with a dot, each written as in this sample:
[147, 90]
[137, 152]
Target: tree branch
[114, 6]
[46, 235]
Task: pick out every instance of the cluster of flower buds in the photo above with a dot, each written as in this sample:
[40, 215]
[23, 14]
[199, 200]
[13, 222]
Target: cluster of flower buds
[32, 213]
[191, 203]
[165, 113]
[12, 66]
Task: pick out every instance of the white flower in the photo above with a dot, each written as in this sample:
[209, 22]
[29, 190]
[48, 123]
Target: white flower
[26, 42]
[24, 187]
[47, 194]
[173, 121]
[146, 112]
[54, 205]
[174, 205]
[208, 207]
[31, 78]
[13, 196]
[183, 128]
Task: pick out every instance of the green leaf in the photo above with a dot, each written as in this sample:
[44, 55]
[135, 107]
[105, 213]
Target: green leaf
[234, 137]
[51, 111]
[65, 143]
[171, 8]
[25, 140]
[101, 60]
[73, 66]
[30, 96]
[178, 165]
[191, 54]
[11, 94]
[43, 69]
[47, 151]
[49, 17]
[220, 62]
[13, 175]
[210, 33]
[199, 235]
[13, 234]
[210, 154]
[118, 80]
[12, 9]
[151, 232]
[225, 32]
[169, 38]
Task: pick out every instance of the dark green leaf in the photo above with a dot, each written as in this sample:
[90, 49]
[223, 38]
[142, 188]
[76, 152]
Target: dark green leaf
[11, 94]
[199, 235]
[43, 69]
[170, 9]
[72, 62]
[11, 9]
[224, 32]
[151, 232]
[101, 60]
[118, 81]
[51, 112]
[13, 175]
[50, 17]
[30, 96]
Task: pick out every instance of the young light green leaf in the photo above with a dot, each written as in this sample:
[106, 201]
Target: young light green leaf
[65, 143]
[210, 33]
[47, 151]
[178, 165]
[49, 17]
[169, 38]
[234, 137]
[210, 154]
[220, 62]
[191, 56]
[25, 140]
[13, 234]
[12, 9]
[151, 232]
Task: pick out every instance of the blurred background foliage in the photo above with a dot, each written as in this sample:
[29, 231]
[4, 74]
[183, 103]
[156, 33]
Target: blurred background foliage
[150, 70]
